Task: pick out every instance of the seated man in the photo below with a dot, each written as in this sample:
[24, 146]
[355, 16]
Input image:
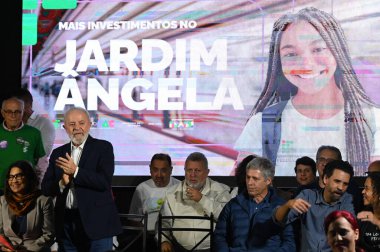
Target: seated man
[374, 166]
[246, 224]
[305, 170]
[312, 206]
[326, 154]
[197, 195]
[150, 195]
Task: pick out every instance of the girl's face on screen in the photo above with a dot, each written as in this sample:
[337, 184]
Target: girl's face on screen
[306, 60]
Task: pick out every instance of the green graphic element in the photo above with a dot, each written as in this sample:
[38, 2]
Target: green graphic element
[57, 124]
[59, 4]
[29, 4]
[29, 20]
[29, 29]
[286, 146]
[160, 202]
[105, 124]
[29, 23]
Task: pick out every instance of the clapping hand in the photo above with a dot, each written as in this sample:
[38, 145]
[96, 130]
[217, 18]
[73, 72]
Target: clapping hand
[66, 164]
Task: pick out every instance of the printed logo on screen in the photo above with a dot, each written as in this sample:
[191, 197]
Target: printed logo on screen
[101, 123]
[286, 146]
[181, 124]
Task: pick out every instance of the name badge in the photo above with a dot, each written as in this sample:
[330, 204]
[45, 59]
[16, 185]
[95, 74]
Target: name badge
[3, 144]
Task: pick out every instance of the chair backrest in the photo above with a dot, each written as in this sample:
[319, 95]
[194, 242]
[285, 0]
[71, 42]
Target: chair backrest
[167, 231]
[134, 222]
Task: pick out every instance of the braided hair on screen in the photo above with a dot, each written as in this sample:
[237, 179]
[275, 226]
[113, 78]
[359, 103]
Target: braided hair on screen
[278, 88]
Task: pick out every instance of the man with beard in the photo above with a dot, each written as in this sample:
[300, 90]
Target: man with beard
[197, 195]
[327, 153]
[312, 206]
[80, 175]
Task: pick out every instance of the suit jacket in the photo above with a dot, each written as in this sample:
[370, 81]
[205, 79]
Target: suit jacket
[92, 185]
[40, 225]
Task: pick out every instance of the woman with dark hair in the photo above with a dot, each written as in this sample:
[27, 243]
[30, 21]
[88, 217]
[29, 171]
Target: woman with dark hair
[370, 221]
[26, 216]
[240, 174]
[311, 97]
[342, 231]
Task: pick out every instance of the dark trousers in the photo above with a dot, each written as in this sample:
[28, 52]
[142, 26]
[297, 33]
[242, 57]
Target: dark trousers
[179, 248]
[75, 239]
[124, 239]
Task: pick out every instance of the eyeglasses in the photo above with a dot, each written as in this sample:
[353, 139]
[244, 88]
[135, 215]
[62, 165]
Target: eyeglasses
[17, 177]
[10, 112]
[324, 160]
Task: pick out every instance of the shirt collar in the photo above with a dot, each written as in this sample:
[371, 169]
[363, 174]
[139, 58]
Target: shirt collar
[321, 200]
[269, 195]
[7, 129]
[266, 198]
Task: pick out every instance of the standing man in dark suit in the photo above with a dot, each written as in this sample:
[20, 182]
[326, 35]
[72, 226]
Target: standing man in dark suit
[80, 175]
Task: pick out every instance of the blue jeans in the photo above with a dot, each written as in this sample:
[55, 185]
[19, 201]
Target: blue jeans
[75, 238]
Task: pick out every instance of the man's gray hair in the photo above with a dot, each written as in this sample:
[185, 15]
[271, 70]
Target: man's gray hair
[198, 157]
[262, 164]
[76, 109]
[21, 102]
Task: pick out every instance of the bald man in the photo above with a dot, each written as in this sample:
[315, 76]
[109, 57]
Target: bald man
[374, 166]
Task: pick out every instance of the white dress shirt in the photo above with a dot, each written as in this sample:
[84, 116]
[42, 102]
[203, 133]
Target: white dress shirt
[76, 153]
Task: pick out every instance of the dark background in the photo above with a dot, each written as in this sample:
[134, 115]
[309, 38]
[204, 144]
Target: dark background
[11, 36]
[11, 64]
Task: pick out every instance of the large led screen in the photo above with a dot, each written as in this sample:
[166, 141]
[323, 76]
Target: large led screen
[226, 78]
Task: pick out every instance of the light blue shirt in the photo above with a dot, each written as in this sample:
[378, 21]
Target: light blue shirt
[312, 222]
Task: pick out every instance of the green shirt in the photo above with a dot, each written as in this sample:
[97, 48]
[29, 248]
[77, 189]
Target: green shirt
[24, 143]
